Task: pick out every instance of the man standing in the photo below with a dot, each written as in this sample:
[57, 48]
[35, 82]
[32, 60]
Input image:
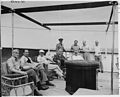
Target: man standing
[60, 46]
[75, 47]
[77, 56]
[85, 49]
[59, 57]
[98, 56]
[15, 67]
[28, 63]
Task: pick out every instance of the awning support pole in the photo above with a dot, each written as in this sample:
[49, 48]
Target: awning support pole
[12, 30]
[113, 43]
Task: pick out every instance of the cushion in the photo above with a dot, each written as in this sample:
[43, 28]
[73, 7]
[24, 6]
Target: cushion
[81, 63]
[4, 68]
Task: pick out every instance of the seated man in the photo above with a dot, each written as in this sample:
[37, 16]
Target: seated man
[15, 67]
[59, 59]
[77, 56]
[28, 63]
[47, 60]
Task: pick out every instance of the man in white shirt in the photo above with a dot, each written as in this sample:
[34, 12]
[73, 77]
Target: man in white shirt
[77, 56]
[28, 63]
[85, 49]
[98, 56]
[47, 60]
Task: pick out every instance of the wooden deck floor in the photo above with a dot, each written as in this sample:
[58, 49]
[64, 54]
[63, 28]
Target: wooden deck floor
[103, 87]
[57, 90]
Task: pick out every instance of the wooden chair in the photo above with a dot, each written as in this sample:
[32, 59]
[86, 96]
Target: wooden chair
[15, 84]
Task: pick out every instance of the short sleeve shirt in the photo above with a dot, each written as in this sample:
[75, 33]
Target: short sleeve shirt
[59, 47]
[42, 59]
[97, 51]
[25, 60]
[75, 48]
[85, 48]
[13, 63]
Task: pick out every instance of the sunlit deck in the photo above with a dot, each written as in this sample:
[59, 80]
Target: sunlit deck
[104, 87]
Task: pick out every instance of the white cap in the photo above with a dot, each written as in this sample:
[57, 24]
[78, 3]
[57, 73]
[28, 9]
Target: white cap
[41, 51]
[60, 38]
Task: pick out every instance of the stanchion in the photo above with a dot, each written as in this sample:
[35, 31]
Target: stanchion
[12, 30]
[113, 43]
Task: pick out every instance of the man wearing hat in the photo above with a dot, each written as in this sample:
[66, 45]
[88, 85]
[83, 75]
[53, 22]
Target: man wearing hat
[47, 60]
[41, 59]
[59, 53]
[60, 46]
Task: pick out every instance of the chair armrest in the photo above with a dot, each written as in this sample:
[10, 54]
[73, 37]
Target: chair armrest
[12, 86]
[25, 76]
[5, 77]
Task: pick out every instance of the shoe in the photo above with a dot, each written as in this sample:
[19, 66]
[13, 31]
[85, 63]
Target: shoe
[36, 93]
[98, 70]
[49, 84]
[101, 71]
[64, 78]
[43, 87]
[50, 78]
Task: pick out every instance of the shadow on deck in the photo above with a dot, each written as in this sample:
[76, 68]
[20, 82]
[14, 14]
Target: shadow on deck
[104, 87]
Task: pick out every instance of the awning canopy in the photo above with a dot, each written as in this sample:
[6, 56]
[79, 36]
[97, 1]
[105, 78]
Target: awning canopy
[62, 17]
[52, 8]
[62, 7]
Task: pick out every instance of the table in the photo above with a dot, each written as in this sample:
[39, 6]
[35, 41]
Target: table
[80, 74]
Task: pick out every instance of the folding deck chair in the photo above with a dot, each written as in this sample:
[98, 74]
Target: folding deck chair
[15, 84]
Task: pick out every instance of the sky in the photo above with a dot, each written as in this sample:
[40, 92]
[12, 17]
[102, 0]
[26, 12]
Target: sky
[30, 35]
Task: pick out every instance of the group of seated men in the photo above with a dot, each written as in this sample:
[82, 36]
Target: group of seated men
[35, 70]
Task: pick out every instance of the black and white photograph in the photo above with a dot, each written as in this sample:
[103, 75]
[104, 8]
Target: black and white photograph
[59, 48]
